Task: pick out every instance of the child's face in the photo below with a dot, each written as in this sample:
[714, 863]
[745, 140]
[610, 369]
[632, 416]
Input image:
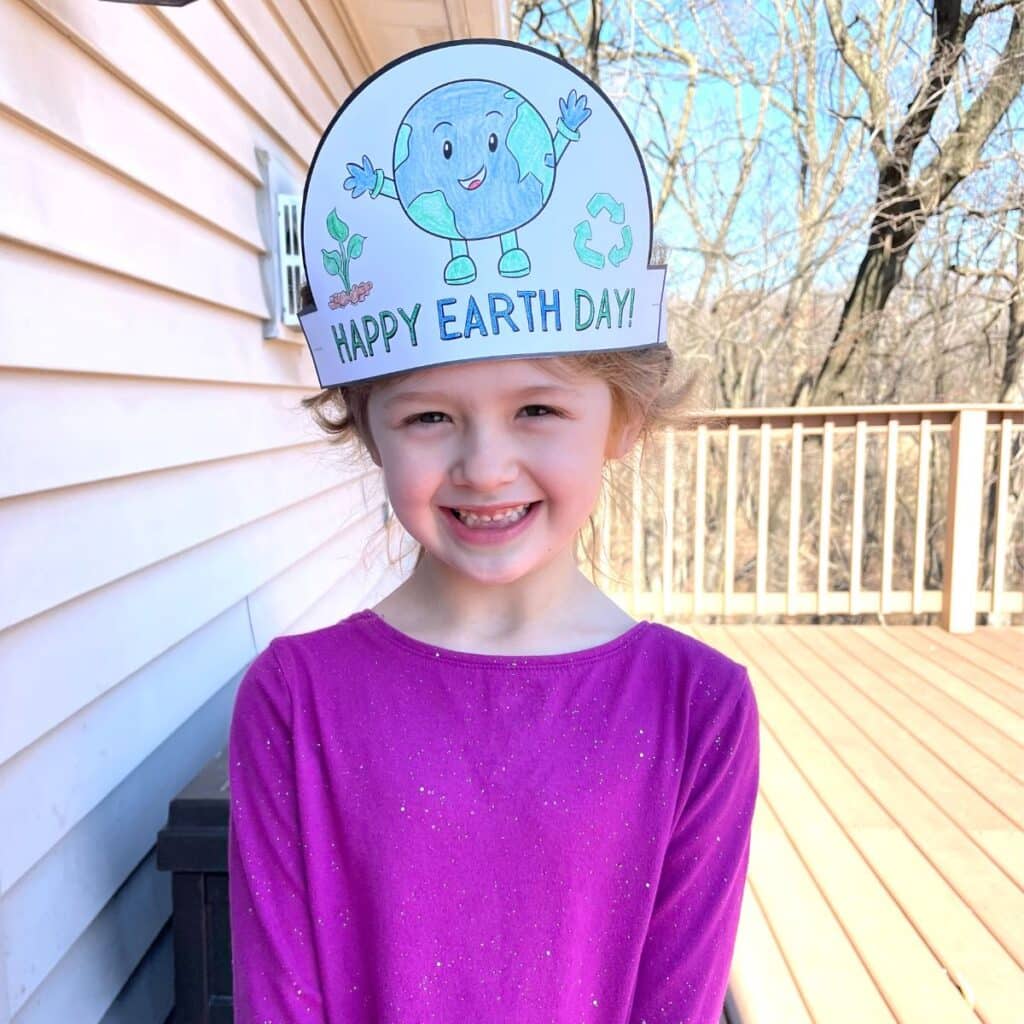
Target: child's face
[493, 436]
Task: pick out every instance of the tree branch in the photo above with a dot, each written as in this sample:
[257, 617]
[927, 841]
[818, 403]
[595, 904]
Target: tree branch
[959, 155]
[857, 61]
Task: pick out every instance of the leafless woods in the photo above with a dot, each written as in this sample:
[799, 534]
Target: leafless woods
[840, 185]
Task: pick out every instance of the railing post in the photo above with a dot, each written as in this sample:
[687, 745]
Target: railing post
[963, 520]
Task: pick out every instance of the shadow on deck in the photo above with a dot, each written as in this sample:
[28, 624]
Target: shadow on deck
[886, 876]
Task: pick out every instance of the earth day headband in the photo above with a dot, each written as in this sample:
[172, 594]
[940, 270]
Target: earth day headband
[476, 199]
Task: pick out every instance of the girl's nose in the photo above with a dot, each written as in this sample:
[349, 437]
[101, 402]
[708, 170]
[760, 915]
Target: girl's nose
[486, 462]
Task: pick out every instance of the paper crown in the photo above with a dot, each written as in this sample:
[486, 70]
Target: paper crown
[476, 199]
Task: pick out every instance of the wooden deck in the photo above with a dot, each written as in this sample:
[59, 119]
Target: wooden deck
[886, 876]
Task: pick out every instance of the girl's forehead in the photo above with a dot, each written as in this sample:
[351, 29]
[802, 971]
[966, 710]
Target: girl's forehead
[487, 376]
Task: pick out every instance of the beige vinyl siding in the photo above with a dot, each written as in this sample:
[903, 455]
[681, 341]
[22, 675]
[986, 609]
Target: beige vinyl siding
[166, 506]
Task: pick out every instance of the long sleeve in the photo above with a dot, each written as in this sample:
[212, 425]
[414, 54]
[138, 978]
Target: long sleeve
[684, 966]
[276, 977]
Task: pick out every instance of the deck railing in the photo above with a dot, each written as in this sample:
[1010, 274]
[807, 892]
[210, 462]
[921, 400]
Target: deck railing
[909, 510]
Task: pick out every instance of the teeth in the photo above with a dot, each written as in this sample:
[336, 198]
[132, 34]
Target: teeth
[506, 518]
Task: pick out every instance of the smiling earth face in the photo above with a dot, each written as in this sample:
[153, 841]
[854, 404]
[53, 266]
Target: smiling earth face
[472, 160]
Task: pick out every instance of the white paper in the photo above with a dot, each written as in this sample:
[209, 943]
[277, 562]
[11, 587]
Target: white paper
[487, 219]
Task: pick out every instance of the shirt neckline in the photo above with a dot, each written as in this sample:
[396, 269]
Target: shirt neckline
[435, 653]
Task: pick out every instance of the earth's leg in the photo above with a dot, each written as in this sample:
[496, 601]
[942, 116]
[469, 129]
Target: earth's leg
[460, 269]
[514, 261]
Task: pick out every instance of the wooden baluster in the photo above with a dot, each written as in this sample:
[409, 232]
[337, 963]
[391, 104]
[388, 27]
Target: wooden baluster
[763, 493]
[892, 440]
[824, 526]
[731, 484]
[699, 518]
[795, 503]
[924, 451]
[860, 446]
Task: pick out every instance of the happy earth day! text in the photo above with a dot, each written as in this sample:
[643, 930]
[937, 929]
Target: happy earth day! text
[529, 310]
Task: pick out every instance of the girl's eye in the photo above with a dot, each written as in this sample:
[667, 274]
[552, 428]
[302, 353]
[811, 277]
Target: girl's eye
[544, 410]
[447, 150]
[492, 142]
[426, 417]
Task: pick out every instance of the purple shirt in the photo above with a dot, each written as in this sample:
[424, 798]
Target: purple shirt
[419, 834]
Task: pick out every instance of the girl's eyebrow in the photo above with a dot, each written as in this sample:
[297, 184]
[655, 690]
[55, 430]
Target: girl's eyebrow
[445, 396]
[415, 396]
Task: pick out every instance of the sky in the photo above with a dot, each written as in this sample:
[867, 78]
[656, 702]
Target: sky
[744, 39]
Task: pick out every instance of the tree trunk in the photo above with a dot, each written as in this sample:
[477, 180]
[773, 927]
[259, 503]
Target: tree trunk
[904, 203]
[893, 233]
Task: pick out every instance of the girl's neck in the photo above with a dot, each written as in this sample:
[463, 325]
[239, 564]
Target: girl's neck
[554, 609]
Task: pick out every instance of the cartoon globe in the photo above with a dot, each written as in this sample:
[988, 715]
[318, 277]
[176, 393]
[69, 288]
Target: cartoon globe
[479, 173]
[473, 160]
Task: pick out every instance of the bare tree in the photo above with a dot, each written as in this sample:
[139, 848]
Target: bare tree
[905, 200]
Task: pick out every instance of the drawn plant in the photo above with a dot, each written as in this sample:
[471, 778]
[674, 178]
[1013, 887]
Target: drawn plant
[350, 247]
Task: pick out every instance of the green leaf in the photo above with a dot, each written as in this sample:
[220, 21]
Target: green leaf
[337, 227]
[355, 246]
[332, 262]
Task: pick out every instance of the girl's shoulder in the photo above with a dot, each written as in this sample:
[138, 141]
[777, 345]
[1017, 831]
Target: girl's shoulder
[349, 638]
[709, 688]
[712, 691]
[292, 658]
[692, 657]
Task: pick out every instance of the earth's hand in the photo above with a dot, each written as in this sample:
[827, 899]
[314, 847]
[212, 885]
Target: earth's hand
[574, 110]
[362, 178]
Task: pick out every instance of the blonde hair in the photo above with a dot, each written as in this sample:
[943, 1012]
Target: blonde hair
[645, 383]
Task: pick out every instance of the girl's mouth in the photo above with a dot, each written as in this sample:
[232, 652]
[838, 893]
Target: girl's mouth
[489, 529]
[474, 181]
[497, 520]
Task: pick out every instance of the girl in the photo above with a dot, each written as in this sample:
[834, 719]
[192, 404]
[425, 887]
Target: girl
[492, 797]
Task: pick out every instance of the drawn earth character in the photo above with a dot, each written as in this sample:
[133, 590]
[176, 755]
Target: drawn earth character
[474, 160]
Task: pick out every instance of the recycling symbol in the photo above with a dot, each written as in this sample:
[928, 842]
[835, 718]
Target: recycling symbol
[584, 233]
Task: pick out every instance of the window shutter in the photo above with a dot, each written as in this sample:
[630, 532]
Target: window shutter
[290, 256]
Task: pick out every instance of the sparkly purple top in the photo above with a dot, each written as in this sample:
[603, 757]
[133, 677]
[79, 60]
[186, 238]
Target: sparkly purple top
[419, 834]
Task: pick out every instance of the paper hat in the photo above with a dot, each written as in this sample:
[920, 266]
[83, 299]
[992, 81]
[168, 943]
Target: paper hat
[477, 199]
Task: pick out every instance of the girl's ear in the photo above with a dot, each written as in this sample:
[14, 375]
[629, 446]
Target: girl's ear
[623, 435]
[366, 437]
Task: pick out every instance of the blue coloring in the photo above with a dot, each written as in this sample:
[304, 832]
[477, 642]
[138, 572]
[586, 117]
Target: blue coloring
[474, 160]
[618, 254]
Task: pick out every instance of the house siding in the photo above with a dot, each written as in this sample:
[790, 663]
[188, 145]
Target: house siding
[166, 505]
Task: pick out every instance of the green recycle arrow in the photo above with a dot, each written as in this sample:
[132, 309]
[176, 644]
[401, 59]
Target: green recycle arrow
[620, 253]
[581, 243]
[584, 232]
[604, 201]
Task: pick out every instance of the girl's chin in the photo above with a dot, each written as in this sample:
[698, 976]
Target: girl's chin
[491, 568]
[496, 568]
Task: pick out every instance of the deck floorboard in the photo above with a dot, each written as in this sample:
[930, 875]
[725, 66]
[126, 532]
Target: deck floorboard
[886, 877]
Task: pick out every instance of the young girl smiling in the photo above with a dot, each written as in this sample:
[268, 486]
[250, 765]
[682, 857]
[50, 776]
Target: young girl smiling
[493, 797]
